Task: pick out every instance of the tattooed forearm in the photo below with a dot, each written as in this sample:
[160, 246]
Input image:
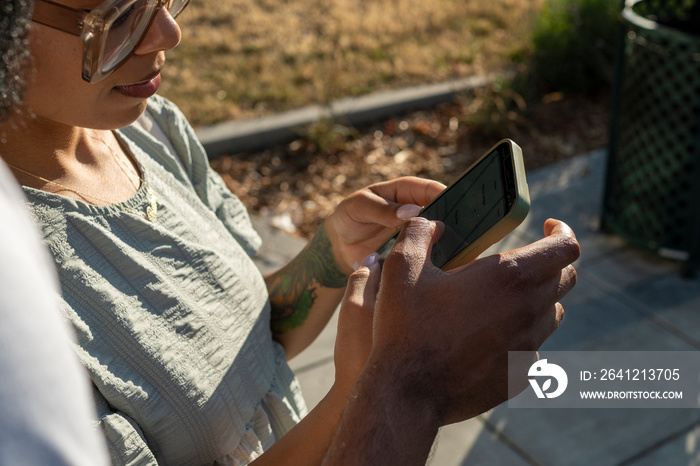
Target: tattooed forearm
[293, 289]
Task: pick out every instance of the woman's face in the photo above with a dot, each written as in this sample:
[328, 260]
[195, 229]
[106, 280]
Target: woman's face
[56, 91]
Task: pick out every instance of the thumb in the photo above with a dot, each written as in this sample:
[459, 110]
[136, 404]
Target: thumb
[354, 339]
[363, 284]
[557, 227]
[413, 246]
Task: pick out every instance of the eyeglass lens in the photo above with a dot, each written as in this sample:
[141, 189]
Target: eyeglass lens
[129, 26]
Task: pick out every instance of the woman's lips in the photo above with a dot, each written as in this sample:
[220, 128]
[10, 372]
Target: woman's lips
[141, 90]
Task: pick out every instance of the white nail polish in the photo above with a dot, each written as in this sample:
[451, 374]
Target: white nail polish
[407, 211]
[370, 260]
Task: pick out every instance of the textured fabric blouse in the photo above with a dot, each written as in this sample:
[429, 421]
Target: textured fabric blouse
[172, 317]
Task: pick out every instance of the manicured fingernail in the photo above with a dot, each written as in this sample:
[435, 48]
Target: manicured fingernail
[368, 261]
[407, 211]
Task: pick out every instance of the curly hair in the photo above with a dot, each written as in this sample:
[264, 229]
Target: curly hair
[15, 16]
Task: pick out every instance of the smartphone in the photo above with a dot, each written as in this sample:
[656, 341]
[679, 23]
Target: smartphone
[479, 208]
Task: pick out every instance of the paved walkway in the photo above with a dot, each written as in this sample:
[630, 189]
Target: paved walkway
[626, 299]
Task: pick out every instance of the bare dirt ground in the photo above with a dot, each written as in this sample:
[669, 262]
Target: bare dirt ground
[295, 186]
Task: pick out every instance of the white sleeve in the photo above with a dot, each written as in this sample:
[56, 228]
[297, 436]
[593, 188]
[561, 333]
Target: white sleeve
[48, 413]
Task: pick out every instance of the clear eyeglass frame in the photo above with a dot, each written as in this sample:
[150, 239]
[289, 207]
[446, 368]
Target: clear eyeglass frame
[110, 32]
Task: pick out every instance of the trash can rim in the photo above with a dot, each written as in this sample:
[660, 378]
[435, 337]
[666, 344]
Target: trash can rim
[630, 15]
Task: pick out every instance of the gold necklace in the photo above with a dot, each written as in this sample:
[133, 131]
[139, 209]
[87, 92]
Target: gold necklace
[151, 211]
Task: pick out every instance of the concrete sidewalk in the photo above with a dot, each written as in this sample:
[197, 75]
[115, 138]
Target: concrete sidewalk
[626, 299]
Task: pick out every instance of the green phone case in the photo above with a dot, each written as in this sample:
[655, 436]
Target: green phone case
[510, 221]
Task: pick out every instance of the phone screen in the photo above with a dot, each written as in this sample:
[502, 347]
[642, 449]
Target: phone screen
[471, 205]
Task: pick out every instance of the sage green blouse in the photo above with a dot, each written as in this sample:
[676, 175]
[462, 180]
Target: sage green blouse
[172, 317]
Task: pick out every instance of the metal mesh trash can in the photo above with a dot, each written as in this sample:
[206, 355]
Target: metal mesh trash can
[652, 188]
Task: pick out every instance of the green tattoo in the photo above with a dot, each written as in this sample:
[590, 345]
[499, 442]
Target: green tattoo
[293, 289]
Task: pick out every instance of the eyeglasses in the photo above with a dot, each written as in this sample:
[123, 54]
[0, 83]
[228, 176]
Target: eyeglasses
[110, 32]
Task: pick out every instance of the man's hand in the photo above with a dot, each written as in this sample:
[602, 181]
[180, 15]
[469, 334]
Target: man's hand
[455, 329]
[366, 218]
[441, 340]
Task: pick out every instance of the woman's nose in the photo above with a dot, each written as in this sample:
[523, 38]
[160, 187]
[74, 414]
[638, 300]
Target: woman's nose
[163, 34]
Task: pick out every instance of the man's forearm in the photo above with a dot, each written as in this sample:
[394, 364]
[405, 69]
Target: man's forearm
[384, 423]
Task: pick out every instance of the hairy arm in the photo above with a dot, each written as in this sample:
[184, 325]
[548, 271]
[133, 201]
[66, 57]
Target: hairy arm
[383, 423]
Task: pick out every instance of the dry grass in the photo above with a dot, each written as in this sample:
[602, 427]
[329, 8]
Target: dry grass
[245, 58]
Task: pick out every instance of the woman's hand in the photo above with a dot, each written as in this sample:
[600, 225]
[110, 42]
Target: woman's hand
[308, 441]
[354, 338]
[366, 218]
[304, 293]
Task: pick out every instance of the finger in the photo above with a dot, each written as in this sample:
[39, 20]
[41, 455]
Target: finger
[545, 258]
[371, 208]
[543, 300]
[567, 280]
[354, 337]
[555, 316]
[411, 252]
[390, 203]
[363, 284]
[560, 313]
[536, 330]
[555, 288]
[557, 227]
[408, 190]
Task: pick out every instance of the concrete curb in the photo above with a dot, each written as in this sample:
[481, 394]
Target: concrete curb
[255, 134]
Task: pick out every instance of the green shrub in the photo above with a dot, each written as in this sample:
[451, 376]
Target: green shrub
[574, 45]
